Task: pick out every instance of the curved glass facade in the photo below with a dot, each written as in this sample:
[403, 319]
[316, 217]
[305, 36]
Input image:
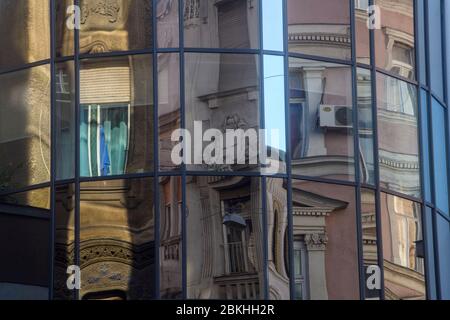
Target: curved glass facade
[239, 149]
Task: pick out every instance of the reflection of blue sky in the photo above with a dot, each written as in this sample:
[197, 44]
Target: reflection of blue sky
[274, 103]
[273, 24]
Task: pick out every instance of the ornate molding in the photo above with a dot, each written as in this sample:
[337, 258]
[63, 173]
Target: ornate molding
[316, 241]
[320, 38]
[312, 212]
[107, 8]
[97, 251]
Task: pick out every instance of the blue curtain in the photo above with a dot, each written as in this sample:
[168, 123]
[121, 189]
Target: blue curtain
[107, 137]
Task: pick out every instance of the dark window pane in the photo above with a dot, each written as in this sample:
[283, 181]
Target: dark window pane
[170, 208]
[325, 220]
[394, 41]
[167, 23]
[222, 93]
[278, 245]
[25, 128]
[365, 118]
[440, 156]
[24, 248]
[117, 240]
[402, 248]
[169, 113]
[64, 245]
[224, 238]
[24, 32]
[120, 25]
[320, 28]
[221, 24]
[397, 117]
[65, 120]
[369, 241]
[321, 119]
[116, 126]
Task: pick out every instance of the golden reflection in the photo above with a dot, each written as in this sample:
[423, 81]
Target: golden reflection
[24, 32]
[25, 128]
[403, 249]
[117, 240]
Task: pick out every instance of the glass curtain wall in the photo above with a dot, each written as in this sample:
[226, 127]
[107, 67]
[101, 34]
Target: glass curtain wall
[313, 165]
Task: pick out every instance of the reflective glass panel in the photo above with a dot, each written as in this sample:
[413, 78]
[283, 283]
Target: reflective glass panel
[421, 41]
[447, 56]
[394, 41]
[224, 238]
[116, 120]
[370, 243]
[362, 45]
[65, 23]
[325, 227]
[273, 24]
[36, 198]
[167, 23]
[120, 25]
[320, 28]
[64, 82]
[425, 144]
[117, 247]
[278, 245]
[321, 118]
[275, 115]
[24, 32]
[169, 113]
[25, 128]
[64, 246]
[397, 117]
[443, 247]
[221, 24]
[403, 248]
[222, 94]
[435, 44]
[430, 266]
[170, 251]
[366, 132]
[439, 116]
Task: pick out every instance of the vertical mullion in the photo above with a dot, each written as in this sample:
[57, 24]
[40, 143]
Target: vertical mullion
[183, 166]
[376, 154]
[288, 150]
[77, 144]
[356, 152]
[263, 181]
[444, 40]
[420, 116]
[156, 210]
[52, 147]
[431, 141]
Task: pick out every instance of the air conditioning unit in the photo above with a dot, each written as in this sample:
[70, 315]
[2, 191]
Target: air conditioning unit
[335, 117]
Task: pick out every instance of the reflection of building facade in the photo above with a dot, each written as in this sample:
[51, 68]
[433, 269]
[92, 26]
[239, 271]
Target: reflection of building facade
[88, 151]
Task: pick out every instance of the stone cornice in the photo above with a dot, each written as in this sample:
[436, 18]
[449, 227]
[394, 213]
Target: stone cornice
[325, 38]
